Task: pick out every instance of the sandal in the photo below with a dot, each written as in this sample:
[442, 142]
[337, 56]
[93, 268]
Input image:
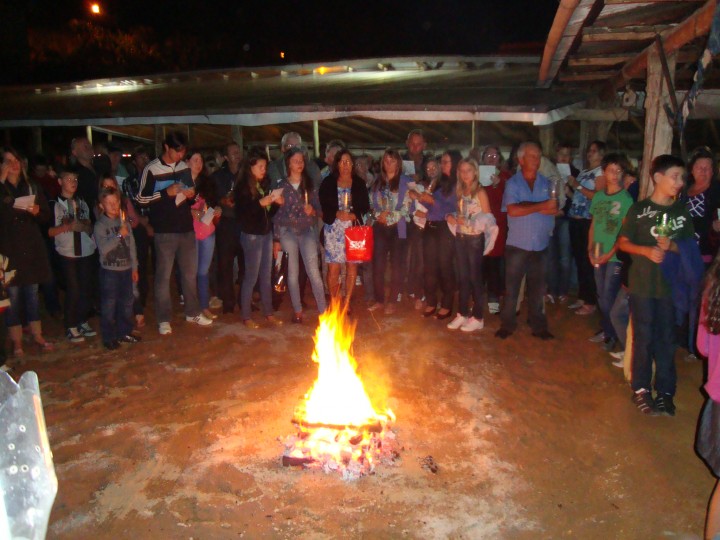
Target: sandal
[45, 346]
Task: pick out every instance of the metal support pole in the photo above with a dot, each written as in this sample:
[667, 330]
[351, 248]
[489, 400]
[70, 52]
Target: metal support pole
[316, 138]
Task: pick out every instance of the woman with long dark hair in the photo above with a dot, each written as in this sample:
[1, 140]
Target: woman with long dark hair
[22, 243]
[255, 206]
[204, 226]
[387, 198]
[294, 225]
[438, 247]
[344, 201]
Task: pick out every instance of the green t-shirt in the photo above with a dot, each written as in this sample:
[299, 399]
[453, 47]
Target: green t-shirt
[646, 278]
[608, 212]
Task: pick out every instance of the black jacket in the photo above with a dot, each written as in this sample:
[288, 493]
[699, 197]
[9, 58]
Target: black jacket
[329, 198]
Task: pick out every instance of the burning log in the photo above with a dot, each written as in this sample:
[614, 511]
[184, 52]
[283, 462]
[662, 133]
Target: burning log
[338, 427]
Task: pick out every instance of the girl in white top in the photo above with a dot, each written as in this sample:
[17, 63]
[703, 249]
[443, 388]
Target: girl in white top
[474, 226]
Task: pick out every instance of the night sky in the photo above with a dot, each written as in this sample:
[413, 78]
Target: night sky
[194, 34]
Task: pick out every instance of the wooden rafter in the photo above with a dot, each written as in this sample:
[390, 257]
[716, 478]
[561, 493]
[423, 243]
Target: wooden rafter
[698, 24]
[629, 33]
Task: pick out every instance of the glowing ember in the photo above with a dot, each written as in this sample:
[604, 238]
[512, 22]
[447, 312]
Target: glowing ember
[339, 427]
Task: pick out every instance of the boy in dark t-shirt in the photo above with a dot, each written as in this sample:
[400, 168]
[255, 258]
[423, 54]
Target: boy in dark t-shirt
[649, 231]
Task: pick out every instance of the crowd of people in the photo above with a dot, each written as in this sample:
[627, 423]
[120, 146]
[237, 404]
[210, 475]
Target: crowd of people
[456, 237]
[488, 231]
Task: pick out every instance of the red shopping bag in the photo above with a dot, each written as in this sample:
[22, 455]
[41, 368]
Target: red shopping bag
[358, 243]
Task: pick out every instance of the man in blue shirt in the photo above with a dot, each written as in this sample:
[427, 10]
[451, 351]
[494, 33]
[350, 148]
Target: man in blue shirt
[531, 218]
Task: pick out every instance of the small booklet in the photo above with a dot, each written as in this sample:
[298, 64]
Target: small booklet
[24, 203]
[408, 168]
[179, 198]
[564, 170]
[486, 174]
[208, 216]
[276, 193]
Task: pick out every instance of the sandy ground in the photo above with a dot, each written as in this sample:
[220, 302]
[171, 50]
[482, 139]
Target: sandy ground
[178, 437]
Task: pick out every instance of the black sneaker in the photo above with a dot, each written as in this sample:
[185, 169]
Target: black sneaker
[111, 345]
[502, 333]
[129, 339]
[664, 404]
[644, 402]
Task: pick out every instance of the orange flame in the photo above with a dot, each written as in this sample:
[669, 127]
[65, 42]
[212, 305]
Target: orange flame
[337, 415]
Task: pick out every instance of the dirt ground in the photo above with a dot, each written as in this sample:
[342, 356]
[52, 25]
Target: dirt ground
[178, 437]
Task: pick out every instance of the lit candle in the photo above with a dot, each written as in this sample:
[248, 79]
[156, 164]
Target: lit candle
[122, 216]
[345, 200]
[306, 197]
[460, 206]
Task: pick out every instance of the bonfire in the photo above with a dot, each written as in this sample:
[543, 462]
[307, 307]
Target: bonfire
[339, 429]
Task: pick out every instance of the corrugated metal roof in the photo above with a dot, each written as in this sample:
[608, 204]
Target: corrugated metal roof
[487, 88]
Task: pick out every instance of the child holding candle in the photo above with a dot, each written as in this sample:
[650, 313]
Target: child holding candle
[608, 209]
[651, 304]
[118, 271]
[470, 225]
[71, 231]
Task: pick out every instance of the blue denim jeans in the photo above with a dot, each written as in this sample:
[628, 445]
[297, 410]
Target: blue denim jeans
[116, 304]
[205, 249]
[620, 315]
[168, 248]
[27, 294]
[257, 251]
[559, 258]
[607, 281]
[388, 243]
[518, 263]
[469, 256]
[306, 245]
[653, 340]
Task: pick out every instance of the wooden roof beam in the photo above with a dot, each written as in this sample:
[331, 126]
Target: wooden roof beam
[587, 76]
[562, 18]
[592, 61]
[628, 33]
[696, 25]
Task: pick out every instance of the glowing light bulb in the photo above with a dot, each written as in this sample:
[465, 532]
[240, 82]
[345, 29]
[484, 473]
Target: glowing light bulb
[95, 9]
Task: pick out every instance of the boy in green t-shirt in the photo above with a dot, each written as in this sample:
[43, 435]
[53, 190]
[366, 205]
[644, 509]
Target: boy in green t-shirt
[650, 230]
[608, 209]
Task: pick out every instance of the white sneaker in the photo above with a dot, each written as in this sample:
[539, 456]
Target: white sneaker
[549, 298]
[215, 303]
[457, 322]
[200, 320]
[165, 329]
[576, 304]
[618, 355]
[494, 307]
[619, 363]
[472, 324]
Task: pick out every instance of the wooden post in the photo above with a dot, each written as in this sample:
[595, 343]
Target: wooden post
[189, 134]
[316, 138]
[159, 137]
[37, 145]
[88, 133]
[547, 140]
[658, 130]
[237, 135]
[473, 134]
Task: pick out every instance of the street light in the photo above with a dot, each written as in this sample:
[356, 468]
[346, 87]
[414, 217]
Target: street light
[95, 8]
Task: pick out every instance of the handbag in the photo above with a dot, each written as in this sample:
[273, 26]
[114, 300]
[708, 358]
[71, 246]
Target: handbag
[358, 243]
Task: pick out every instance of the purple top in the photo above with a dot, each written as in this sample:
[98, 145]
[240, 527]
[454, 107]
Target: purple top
[709, 345]
[444, 205]
[292, 214]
